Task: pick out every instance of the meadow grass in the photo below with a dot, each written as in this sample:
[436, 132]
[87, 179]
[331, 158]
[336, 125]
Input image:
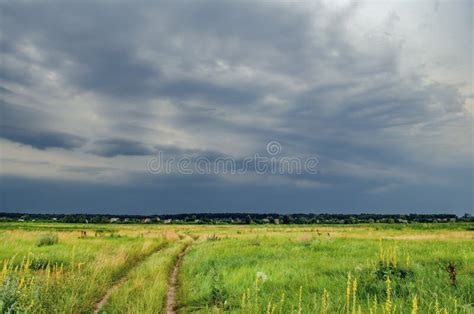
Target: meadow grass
[377, 268]
[304, 272]
[69, 276]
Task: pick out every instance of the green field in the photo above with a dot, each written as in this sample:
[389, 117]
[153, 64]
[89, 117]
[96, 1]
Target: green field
[53, 267]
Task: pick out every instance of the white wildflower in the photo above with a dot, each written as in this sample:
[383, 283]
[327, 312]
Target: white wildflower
[262, 276]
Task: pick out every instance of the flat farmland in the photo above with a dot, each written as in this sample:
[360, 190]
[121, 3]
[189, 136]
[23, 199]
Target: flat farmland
[147, 268]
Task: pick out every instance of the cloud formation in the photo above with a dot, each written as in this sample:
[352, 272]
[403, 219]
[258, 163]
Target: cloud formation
[111, 84]
[116, 147]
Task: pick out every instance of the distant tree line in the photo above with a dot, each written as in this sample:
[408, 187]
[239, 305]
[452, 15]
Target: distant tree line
[238, 218]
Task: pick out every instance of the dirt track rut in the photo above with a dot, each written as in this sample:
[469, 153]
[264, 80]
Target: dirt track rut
[173, 284]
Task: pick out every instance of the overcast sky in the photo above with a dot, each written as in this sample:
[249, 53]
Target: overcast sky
[381, 93]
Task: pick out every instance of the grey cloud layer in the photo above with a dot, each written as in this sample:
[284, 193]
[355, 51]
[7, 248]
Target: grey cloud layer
[28, 126]
[222, 79]
[115, 147]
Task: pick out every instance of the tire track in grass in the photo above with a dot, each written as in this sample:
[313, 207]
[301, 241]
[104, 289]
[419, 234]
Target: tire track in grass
[99, 305]
[173, 283]
[104, 300]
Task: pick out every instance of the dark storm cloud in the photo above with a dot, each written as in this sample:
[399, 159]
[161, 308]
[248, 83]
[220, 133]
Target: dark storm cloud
[231, 73]
[97, 47]
[117, 147]
[41, 139]
[5, 91]
[106, 60]
[192, 89]
[27, 126]
[13, 74]
[91, 44]
[184, 196]
[170, 151]
[115, 73]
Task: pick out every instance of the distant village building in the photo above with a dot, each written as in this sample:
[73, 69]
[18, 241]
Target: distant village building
[167, 221]
[115, 219]
[265, 220]
[146, 220]
[276, 221]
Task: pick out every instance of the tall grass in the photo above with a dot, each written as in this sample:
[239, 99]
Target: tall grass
[328, 276]
[47, 239]
[73, 287]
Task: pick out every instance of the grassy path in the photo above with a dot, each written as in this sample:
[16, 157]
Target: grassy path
[173, 284]
[123, 278]
[151, 287]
